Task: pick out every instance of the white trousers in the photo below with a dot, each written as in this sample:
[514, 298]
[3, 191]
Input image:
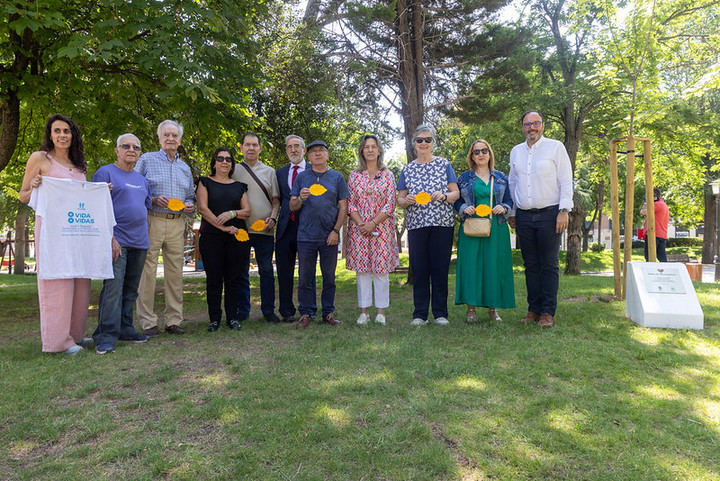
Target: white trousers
[365, 281]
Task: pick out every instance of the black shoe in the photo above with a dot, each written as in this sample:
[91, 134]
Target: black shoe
[234, 324]
[289, 318]
[272, 318]
[214, 326]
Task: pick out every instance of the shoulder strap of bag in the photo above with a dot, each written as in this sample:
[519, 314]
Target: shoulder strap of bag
[491, 193]
[252, 174]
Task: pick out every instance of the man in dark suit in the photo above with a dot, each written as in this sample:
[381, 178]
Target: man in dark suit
[286, 233]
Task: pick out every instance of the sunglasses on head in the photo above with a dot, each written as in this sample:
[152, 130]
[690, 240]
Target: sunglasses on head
[420, 140]
[484, 150]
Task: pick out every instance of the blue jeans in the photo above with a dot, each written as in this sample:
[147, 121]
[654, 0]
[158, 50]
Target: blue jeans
[660, 245]
[540, 246]
[264, 246]
[117, 298]
[430, 249]
[307, 258]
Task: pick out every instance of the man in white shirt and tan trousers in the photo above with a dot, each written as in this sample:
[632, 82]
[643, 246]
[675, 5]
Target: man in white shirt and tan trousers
[541, 186]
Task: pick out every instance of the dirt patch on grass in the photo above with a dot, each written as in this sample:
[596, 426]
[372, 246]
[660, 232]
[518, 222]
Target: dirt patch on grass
[454, 448]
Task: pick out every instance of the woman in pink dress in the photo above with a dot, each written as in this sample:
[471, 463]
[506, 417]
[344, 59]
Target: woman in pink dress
[372, 246]
[63, 302]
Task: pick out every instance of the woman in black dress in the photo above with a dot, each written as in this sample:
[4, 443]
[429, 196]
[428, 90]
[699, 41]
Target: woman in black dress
[222, 202]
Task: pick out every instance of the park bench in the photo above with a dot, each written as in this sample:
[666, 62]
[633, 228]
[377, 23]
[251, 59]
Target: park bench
[684, 258]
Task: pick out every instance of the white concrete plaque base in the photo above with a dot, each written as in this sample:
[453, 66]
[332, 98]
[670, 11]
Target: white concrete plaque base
[660, 294]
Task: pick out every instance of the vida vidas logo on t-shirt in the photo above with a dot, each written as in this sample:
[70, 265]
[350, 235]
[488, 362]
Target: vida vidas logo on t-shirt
[80, 216]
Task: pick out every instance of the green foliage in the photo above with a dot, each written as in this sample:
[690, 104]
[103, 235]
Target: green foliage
[685, 242]
[597, 247]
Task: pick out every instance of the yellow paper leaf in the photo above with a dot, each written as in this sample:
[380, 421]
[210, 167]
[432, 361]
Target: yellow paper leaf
[242, 235]
[175, 204]
[317, 189]
[422, 198]
[258, 225]
[482, 210]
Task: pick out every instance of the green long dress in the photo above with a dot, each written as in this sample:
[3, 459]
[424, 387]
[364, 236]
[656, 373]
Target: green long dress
[484, 264]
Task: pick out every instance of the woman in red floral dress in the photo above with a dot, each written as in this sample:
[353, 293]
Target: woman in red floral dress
[372, 246]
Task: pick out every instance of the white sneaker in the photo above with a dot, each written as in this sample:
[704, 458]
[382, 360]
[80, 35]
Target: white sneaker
[72, 350]
[380, 319]
[441, 321]
[418, 322]
[363, 319]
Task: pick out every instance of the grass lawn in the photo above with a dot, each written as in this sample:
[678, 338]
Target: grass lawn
[595, 398]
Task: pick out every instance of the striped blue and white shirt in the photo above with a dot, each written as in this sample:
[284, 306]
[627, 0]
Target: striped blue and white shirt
[171, 178]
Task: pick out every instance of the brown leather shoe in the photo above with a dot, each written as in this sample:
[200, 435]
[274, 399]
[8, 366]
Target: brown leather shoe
[152, 332]
[304, 321]
[174, 330]
[530, 318]
[546, 320]
[330, 319]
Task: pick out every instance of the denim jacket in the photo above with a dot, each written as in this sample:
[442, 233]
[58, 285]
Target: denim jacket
[501, 193]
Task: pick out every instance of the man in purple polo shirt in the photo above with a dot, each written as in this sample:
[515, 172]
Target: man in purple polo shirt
[131, 201]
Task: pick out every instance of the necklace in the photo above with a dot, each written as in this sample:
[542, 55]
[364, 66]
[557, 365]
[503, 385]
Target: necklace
[318, 176]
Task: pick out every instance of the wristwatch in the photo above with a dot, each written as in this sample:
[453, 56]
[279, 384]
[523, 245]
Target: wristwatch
[336, 231]
[564, 210]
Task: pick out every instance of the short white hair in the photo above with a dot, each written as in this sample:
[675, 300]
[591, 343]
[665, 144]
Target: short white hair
[293, 136]
[119, 139]
[177, 125]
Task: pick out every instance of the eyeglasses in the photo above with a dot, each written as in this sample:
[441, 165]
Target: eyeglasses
[222, 158]
[535, 124]
[136, 148]
[484, 150]
[420, 140]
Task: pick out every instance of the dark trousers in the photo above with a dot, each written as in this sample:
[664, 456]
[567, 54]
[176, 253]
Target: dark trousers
[430, 249]
[540, 247]
[264, 246]
[660, 245]
[117, 298]
[307, 258]
[285, 257]
[224, 259]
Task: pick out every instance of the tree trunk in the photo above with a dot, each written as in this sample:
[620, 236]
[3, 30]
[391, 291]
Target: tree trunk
[20, 230]
[577, 216]
[709, 248]
[409, 39]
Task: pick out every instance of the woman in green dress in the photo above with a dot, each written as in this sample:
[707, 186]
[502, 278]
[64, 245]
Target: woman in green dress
[484, 264]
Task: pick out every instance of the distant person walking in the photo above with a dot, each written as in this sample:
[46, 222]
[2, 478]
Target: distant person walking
[662, 218]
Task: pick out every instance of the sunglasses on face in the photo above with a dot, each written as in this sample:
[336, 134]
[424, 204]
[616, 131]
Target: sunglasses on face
[484, 150]
[136, 148]
[222, 158]
[420, 140]
[535, 124]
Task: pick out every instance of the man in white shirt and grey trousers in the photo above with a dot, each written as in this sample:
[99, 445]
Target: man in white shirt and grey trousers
[541, 186]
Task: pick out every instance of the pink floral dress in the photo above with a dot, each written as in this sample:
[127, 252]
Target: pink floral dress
[377, 254]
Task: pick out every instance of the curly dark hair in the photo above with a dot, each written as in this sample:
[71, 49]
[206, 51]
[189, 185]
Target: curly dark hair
[77, 150]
